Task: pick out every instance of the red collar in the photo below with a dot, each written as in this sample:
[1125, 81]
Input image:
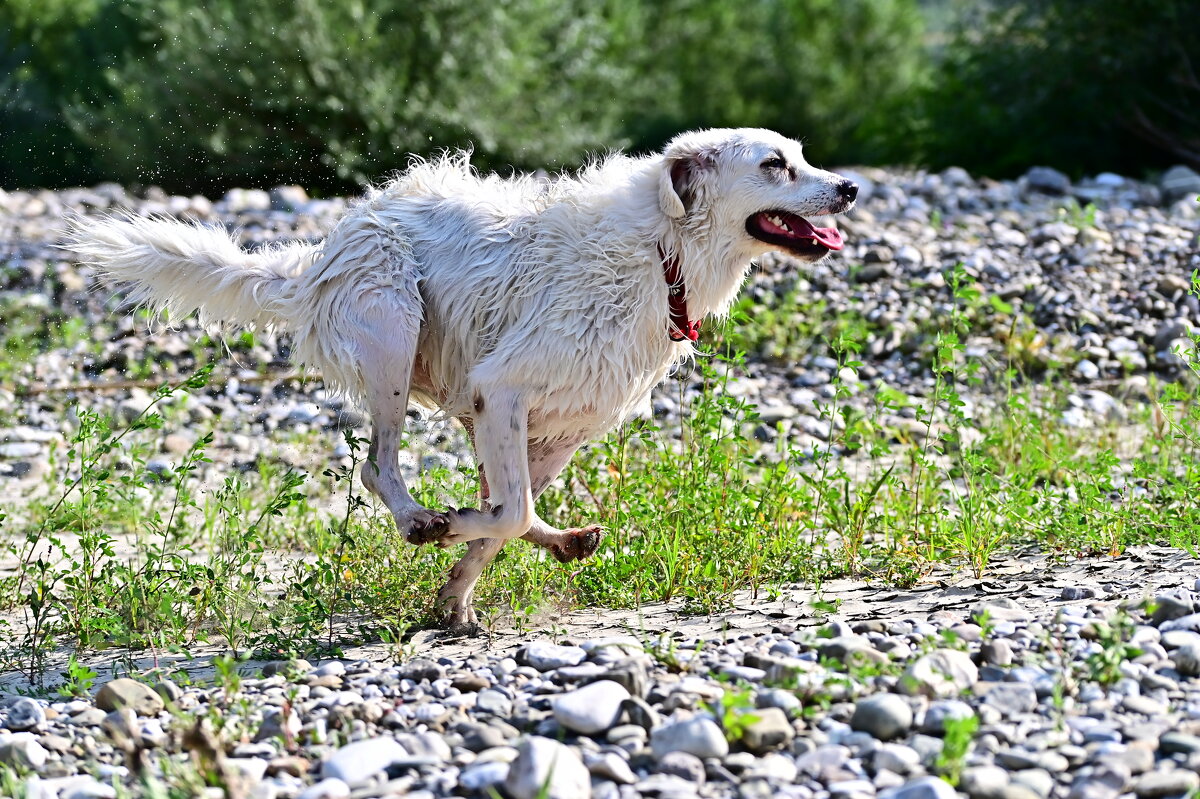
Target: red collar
[681, 328]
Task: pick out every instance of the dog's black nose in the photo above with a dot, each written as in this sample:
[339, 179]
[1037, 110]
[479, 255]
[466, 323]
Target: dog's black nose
[848, 189]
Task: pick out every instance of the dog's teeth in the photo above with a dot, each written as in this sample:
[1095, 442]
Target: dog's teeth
[777, 221]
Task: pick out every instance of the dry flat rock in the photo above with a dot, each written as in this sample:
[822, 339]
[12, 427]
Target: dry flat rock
[126, 693]
[941, 674]
[592, 708]
[545, 656]
[771, 729]
[354, 763]
[700, 737]
[884, 716]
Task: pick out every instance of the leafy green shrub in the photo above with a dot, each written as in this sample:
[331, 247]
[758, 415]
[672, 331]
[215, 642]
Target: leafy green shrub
[202, 96]
[835, 72]
[1083, 86]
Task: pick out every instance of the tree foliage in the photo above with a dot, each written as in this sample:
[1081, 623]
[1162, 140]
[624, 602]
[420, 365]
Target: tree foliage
[202, 96]
[330, 94]
[1084, 85]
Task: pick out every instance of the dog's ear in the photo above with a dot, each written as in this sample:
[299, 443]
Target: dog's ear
[682, 178]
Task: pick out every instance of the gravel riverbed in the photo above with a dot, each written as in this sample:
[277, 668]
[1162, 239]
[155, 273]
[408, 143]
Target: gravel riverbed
[1074, 694]
[1071, 696]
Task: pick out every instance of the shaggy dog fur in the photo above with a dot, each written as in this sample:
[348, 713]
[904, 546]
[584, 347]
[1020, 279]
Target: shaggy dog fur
[535, 312]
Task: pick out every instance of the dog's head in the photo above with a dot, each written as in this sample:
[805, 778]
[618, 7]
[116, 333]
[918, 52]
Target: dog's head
[753, 189]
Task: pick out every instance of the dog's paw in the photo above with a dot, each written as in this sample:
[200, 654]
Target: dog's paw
[578, 544]
[455, 616]
[427, 528]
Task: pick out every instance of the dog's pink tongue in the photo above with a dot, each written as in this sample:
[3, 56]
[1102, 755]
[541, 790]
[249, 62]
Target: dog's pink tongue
[829, 237]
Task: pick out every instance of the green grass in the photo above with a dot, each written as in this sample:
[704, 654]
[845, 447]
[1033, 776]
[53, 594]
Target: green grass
[278, 562]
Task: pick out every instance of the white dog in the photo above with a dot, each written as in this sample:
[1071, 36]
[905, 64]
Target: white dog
[540, 314]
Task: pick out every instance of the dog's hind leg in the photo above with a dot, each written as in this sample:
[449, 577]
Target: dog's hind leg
[387, 347]
[546, 462]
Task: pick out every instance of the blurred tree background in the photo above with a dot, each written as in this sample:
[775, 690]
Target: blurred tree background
[333, 93]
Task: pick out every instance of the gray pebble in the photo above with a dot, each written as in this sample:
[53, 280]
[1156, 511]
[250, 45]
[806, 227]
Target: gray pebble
[22, 751]
[354, 763]
[699, 736]
[545, 656]
[684, 765]
[546, 769]
[25, 714]
[983, 782]
[940, 674]
[939, 711]
[921, 788]
[494, 701]
[1011, 698]
[592, 708]
[884, 716]
[1187, 659]
[1166, 783]
[770, 730]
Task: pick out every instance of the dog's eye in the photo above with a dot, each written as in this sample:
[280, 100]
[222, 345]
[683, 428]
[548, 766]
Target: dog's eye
[774, 162]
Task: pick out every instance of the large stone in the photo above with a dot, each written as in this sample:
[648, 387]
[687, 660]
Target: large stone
[1171, 605]
[494, 701]
[355, 763]
[1047, 181]
[771, 729]
[1179, 743]
[1180, 182]
[592, 708]
[683, 765]
[613, 767]
[420, 669]
[1159, 784]
[883, 716]
[983, 782]
[124, 692]
[1189, 622]
[939, 712]
[1011, 698]
[941, 674]
[923, 788]
[1187, 660]
[545, 656]
[88, 788]
[330, 788]
[547, 769]
[699, 736]
[25, 714]
[853, 650]
[896, 758]
[22, 751]
[996, 609]
[478, 778]
[631, 673]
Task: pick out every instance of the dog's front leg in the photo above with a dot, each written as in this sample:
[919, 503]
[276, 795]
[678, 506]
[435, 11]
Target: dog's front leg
[546, 461]
[501, 424]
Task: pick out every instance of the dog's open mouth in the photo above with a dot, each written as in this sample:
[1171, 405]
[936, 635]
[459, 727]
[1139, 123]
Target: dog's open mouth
[793, 233]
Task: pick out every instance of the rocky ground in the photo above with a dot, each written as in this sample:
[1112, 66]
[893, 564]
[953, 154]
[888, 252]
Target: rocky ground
[1072, 697]
[1038, 683]
[1100, 292]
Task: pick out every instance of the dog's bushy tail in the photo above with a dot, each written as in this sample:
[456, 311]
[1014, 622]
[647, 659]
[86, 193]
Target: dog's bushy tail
[180, 267]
